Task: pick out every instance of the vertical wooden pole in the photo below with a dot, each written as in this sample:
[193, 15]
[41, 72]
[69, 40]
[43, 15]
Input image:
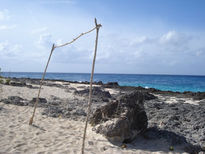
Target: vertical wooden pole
[41, 84]
[91, 81]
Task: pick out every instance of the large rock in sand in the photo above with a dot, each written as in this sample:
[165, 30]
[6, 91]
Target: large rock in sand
[121, 120]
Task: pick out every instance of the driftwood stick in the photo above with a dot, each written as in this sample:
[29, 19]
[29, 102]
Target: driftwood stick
[90, 90]
[97, 26]
[41, 83]
[58, 46]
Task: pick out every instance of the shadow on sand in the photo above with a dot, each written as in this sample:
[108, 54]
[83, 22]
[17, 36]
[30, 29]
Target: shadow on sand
[38, 127]
[155, 140]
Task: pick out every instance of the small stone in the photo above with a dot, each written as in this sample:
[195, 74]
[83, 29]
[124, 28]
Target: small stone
[90, 143]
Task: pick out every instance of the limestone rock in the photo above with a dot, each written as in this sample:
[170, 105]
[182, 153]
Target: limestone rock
[121, 120]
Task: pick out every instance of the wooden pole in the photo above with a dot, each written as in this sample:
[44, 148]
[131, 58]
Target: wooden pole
[41, 83]
[90, 90]
[97, 26]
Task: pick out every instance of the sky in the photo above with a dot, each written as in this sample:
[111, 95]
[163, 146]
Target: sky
[137, 36]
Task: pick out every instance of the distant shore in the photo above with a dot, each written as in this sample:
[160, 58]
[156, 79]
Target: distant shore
[178, 83]
[189, 94]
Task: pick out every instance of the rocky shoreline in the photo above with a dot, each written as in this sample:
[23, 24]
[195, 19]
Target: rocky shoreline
[27, 81]
[178, 122]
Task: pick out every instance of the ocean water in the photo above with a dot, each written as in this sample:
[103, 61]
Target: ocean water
[178, 83]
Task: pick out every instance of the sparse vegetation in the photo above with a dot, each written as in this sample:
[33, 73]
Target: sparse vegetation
[8, 81]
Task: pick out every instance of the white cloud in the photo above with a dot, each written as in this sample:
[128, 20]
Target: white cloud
[138, 40]
[72, 54]
[45, 40]
[59, 42]
[115, 53]
[174, 38]
[39, 30]
[3, 46]
[169, 49]
[4, 15]
[171, 35]
[10, 51]
[6, 27]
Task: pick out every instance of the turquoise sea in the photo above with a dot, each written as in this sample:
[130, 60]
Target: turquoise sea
[179, 83]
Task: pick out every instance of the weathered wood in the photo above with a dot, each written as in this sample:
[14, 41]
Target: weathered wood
[41, 84]
[91, 81]
[53, 47]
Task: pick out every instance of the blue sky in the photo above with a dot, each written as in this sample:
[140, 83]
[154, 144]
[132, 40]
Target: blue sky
[138, 36]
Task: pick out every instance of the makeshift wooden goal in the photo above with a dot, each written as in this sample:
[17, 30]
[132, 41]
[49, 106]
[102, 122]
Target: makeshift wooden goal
[97, 27]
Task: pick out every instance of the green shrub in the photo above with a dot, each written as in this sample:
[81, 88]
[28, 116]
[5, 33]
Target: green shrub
[7, 81]
[1, 81]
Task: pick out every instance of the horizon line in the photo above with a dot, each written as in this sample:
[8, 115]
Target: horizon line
[108, 73]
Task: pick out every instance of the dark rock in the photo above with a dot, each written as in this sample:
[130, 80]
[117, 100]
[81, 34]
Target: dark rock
[96, 91]
[111, 85]
[29, 86]
[74, 109]
[90, 143]
[99, 83]
[153, 90]
[181, 118]
[121, 120]
[19, 84]
[66, 84]
[199, 96]
[192, 149]
[148, 96]
[16, 100]
[53, 111]
[80, 112]
[42, 102]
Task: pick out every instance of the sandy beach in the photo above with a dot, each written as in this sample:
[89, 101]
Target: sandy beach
[62, 131]
[102, 77]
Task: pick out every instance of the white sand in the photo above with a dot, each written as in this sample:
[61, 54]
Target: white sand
[57, 135]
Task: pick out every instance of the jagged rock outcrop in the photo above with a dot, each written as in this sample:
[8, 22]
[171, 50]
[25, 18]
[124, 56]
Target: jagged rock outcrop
[98, 93]
[184, 119]
[121, 120]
